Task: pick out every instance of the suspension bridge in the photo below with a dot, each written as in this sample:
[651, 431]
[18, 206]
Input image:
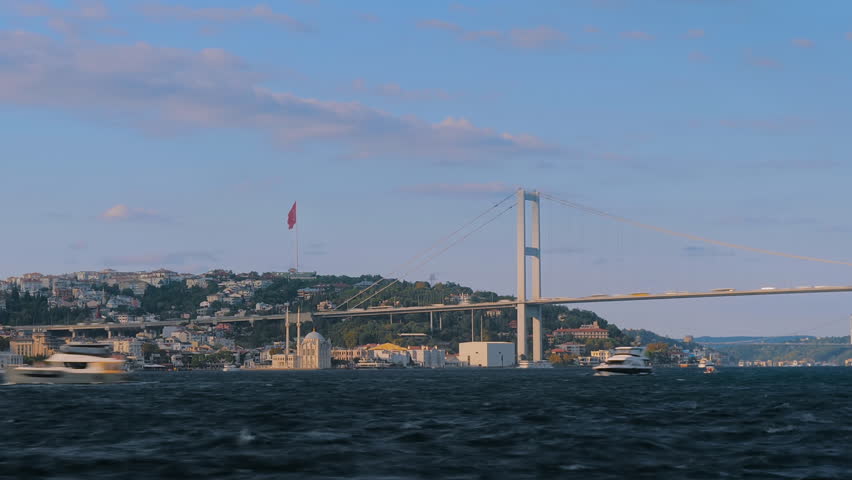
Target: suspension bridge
[528, 303]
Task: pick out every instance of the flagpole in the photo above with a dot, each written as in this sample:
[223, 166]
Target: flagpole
[297, 246]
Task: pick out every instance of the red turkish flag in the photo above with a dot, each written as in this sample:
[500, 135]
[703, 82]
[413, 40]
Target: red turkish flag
[291, 217]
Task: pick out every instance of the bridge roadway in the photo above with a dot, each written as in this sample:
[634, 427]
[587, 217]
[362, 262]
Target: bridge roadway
[372, 312]
[305, 316]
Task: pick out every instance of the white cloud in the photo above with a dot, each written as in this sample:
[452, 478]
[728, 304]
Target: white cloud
[394, 90]
[538, 37]
[165, 259]
[489, 188]
[637, 35]
[169, 89]
[222, 14]
[121, 212]
[803, 43]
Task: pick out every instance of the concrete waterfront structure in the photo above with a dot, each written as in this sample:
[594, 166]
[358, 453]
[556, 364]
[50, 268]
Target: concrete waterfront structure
[487, 354]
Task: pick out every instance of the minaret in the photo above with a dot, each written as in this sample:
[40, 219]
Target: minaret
[287, 332]
[298, 362]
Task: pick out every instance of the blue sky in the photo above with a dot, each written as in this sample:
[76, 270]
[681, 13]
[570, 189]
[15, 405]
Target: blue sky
[139, 135]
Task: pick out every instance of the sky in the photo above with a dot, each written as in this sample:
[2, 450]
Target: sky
[149, 134]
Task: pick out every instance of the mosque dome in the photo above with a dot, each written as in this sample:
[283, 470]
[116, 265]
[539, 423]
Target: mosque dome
[314, 336]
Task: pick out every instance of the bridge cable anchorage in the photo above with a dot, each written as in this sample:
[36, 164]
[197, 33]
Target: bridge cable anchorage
[438, 253]
[697, 238]
[423, 252]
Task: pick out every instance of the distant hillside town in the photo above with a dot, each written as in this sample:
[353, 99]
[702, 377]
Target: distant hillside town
[198, 337]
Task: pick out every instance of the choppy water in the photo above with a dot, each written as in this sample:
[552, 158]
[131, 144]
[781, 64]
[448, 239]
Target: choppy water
[466, 424]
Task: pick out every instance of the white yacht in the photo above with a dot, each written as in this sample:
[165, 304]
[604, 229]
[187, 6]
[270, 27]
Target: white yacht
[74, 363]
[625, 361]
[231, 368]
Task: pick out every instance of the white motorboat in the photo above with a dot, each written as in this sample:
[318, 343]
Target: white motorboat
[74, 363]
[231, 368]
[625, 361]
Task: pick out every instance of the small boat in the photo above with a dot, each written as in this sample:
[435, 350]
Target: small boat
[74, 363]
[625, 361]
[231, 368]
[153, 367]
[532, 364]
[710, 369]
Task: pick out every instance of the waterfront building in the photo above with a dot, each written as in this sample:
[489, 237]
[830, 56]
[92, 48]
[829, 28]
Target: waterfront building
[8, 359]
[44, 345]
[453, 361]
[128, 346]
[427, 357]
[487, 354]
[391, 353]
[22, 346]
[350, 355]
[312, 353]
[601, 355]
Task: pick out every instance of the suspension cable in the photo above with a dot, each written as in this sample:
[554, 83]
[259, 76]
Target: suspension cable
[424, 252]
[697, 238]
[436, 254]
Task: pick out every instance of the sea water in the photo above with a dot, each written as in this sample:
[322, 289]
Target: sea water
[784, 423]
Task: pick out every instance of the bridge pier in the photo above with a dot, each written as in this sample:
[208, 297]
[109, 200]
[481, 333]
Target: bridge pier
[535, 262]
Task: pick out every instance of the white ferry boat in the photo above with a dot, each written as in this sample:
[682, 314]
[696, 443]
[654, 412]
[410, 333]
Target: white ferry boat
[625, 361]
[74, 363]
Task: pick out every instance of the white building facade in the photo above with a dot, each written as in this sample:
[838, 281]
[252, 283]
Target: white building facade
[487, 354]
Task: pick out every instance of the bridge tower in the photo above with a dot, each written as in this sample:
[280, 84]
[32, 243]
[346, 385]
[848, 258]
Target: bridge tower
[525, 311]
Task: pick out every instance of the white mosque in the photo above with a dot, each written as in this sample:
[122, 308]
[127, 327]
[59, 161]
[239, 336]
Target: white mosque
[312, 353]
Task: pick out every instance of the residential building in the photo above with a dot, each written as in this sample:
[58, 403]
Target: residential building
[138, 287]
[592, 330]
[572, 348]
[197, 282]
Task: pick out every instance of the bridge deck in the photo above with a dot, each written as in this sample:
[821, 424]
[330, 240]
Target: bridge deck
[570, 300]
[373, 312]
